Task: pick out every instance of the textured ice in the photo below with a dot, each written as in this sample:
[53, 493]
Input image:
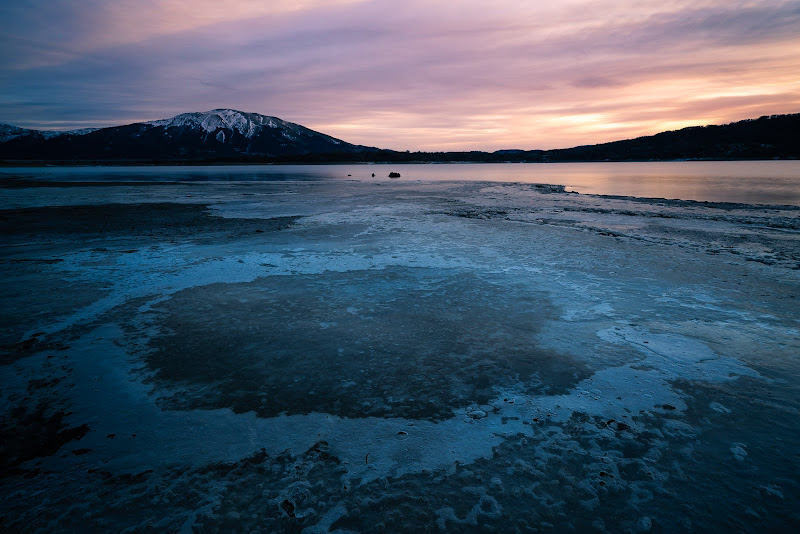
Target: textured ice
[373, 357]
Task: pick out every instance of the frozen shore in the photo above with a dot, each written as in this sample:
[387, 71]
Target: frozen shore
[399, 356]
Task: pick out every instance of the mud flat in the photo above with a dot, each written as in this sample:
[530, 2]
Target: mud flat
[398, 356]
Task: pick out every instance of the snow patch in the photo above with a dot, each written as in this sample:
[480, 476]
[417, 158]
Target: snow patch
[9, 132]
[48, 134]
[246, 124]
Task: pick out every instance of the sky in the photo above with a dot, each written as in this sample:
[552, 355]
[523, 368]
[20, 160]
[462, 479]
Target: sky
[407, 75]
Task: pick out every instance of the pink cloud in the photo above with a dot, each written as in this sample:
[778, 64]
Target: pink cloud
[415, 75]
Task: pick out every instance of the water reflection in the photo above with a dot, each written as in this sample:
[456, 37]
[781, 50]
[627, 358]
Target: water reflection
[761, 182]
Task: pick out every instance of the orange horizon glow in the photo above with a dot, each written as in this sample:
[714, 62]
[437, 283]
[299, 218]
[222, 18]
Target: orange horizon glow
[444, 75]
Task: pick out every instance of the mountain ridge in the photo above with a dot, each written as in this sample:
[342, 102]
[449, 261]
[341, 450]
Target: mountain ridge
[227, 135]
[210, 134]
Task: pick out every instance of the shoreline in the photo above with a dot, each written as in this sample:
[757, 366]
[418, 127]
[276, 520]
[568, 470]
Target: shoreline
[25, 183]
[761, 183]
[205, 163]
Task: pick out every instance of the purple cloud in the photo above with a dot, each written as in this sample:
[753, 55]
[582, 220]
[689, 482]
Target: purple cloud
[455, 75]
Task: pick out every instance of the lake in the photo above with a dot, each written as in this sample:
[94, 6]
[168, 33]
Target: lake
[755, 182]
[379, 355]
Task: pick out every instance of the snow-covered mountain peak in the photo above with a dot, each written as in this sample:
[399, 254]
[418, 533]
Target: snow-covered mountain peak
[47, 134]
[215, 134]
[9, 132]
[246, 124]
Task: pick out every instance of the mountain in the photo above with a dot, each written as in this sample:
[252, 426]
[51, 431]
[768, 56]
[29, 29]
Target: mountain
[215, 134]
[234, 136]
[768, 137]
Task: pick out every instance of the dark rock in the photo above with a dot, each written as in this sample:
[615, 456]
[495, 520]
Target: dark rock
[288, 508]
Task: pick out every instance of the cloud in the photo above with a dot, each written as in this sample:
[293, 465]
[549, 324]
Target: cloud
[433, 75]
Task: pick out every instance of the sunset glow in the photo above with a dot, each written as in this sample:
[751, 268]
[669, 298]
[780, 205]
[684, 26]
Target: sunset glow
[445, 75]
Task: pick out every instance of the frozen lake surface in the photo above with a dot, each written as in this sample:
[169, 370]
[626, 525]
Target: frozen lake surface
[361, 355]
[753, 182]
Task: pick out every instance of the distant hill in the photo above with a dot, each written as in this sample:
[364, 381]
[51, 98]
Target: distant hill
[215, 134]
[226, 135]
[775, 136]
[769, 137]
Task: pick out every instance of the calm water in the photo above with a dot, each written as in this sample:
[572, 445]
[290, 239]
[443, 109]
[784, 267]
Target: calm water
[761, 182]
